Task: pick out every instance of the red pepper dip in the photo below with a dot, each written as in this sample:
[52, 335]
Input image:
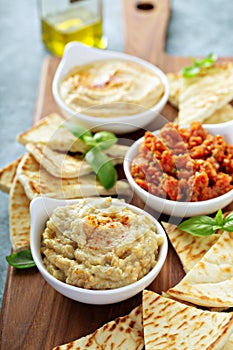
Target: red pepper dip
[184, 164]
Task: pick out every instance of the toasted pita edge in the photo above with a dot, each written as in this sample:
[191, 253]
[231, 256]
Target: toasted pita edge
[7, 174]
[190, 249]
[207, 293]
[44, 124]
[19, 217]
[120, 329]
[168, 305]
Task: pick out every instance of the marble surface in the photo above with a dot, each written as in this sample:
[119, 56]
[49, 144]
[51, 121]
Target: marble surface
[197, 27]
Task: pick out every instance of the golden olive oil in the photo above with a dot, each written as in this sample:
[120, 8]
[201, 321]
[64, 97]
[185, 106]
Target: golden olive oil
[80, 25]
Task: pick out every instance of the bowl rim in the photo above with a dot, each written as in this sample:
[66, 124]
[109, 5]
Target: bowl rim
[90, 292]
[184, 206]
[113, 54]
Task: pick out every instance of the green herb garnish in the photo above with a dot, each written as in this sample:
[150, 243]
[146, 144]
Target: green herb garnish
[206, 226]
[21, 260]
[195, 68]
[98, 160]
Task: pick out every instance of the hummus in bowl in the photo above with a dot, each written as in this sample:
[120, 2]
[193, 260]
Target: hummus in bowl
[97, 88]
[109, 90]
[97, 251]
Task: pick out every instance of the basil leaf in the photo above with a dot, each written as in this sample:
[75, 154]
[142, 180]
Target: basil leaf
[218, 218]
[194, 69]
[77, 130]
[209, 60]
[105, 139]
[228, 223]
[89, 141]
[190, 71]
[198, 226]
[102, 166]
[99, 161]
[21, 260]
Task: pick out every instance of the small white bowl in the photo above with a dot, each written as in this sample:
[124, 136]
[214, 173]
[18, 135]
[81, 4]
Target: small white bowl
[77, 54]
[180, 209]
[40, 209]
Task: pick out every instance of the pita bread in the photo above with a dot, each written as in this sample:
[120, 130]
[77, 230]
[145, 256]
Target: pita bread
[37, 182]
[229, 345]
[200, 97]
[123, 333]
[19, 217]
[169, 324]
[189, 248]
[210, 282]
[177, 83]
[69, 166]
[7, 175]
[222, 115]
[49, 131]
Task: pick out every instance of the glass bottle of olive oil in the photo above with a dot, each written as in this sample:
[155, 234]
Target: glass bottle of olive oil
[63, 21]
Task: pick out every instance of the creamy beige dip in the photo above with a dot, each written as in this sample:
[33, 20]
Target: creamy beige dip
[97, 244]
[111, 88]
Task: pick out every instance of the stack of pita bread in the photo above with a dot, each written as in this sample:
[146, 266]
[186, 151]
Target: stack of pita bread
[161, 323]
[208, 263]
[205, 98]
[51, 167]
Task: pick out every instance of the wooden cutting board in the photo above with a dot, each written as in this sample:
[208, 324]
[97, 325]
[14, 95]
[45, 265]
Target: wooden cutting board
[34, 316]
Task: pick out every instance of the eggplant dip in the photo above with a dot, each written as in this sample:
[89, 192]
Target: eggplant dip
[99, 244]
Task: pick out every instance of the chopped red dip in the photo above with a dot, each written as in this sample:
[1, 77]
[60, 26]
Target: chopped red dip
[184, 164]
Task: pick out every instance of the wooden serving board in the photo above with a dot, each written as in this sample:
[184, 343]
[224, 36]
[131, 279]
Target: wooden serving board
[34, 316]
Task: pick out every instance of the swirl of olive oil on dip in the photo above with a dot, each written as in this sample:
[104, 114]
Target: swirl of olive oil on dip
[97, 244]
[111, 88]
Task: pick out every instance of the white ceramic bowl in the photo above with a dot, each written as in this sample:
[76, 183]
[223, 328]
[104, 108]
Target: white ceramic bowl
[41, 208]
[181, 209]
[78, 54]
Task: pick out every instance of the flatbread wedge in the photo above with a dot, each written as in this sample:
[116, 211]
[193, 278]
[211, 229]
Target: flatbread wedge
[38, 182]
[222, 115]
[190, 249]
[169, 324]
[7, 174]
[200, 99]
[123, 333]
[69, 166]
[49, 131]
[210, 282]
[177, 82]
[19, 217]
[229, 345]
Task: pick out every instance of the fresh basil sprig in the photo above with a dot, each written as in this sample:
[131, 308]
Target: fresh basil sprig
[98, 160]
[206, 226]
[21, 260]
[195, 68]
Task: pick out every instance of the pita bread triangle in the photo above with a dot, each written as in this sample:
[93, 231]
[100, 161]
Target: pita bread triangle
[178, 85]
[201, 96]
[19, 217]
[189, 248]
[38, 182]
[210, 282]
[65, 165]
[49, 131]
[175, 83]
[7, 175]
[169, 324]
[123, 333]
[229, 345]
[221, 115]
